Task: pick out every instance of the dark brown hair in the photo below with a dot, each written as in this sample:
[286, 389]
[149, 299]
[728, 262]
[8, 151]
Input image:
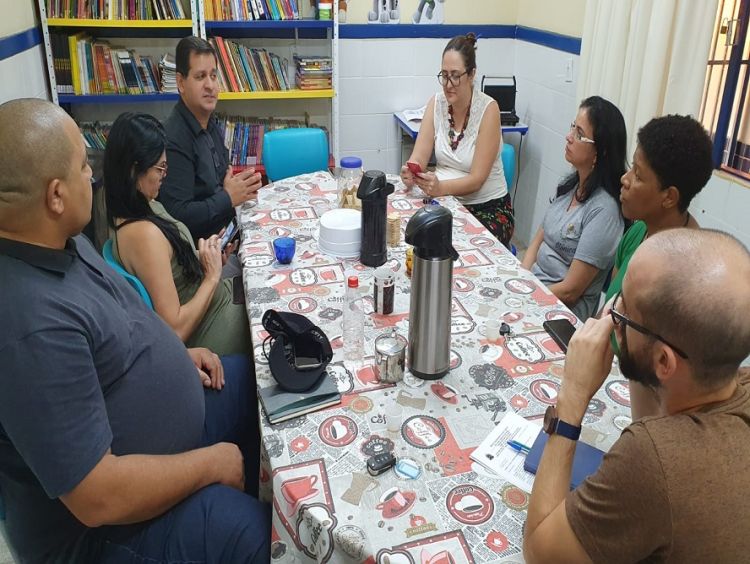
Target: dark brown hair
[466, 45]
[185, 47]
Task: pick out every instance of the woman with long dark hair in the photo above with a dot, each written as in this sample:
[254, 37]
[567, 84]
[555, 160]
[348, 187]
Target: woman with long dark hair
[184, 283]
[575, 246]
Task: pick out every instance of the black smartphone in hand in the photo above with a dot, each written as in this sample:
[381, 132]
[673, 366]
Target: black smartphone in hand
[231, 232]
[561, 331]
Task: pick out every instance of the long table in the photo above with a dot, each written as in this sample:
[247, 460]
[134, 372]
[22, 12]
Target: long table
[326, 508]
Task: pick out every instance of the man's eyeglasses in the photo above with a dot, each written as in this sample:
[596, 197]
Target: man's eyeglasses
[161, 167]
[578, 136]
[620, 318]
[453, 78]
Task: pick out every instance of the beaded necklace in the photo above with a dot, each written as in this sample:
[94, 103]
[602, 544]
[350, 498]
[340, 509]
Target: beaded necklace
[451, 132]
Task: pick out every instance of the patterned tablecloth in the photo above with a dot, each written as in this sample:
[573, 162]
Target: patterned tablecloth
[326, 507]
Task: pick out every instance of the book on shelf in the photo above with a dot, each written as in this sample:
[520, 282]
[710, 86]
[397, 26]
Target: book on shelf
[243, 136]
[245, 69]
[313, 72]
[117, 9]
[249, 10]
[95, 134]
[84, 65]
[168, 70]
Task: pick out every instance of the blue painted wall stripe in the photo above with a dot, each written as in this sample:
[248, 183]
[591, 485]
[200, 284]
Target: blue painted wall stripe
[409, 31]
[548, 39]
[556, 41]
[19, 42]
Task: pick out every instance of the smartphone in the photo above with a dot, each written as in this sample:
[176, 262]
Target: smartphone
[230, 233]
[238, 290]
[415, 168]
[561, 331]
[307, 356]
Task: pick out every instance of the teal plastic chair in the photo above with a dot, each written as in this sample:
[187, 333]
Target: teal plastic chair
[288, 152]
[132, 280]
[508, 156]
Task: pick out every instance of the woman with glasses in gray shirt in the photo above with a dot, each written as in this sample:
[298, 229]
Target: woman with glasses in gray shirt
[574, 249]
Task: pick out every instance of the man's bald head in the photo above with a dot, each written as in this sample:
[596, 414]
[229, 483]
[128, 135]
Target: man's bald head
[692, 287]
[35, 148]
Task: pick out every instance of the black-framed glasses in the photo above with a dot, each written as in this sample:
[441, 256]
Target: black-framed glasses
[622, 319]
[453, 78]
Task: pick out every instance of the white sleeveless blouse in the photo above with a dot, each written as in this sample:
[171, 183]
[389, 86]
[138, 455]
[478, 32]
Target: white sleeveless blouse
[457, 164]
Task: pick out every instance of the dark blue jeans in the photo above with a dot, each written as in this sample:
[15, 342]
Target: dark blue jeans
[218, 523]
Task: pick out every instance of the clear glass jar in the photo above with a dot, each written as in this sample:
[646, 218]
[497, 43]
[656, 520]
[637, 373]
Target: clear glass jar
[348, 182]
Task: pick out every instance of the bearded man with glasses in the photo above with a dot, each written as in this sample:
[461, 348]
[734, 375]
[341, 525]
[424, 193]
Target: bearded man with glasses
[684, 337]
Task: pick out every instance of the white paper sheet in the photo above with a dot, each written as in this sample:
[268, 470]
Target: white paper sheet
[415, 115]
[496, 456]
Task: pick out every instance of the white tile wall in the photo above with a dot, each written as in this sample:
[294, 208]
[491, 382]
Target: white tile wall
[25, 75]
[381, 76]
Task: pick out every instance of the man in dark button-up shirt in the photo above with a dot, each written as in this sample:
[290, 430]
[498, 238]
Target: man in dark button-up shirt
[200, 189]
[109, 446]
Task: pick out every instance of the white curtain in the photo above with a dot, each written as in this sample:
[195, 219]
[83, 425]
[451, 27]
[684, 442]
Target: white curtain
[648, 57]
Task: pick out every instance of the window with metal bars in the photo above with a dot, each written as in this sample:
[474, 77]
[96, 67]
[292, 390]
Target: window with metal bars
[724, 109]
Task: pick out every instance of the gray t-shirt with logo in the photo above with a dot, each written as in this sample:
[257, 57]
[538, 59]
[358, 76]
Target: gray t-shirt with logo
[588, 232]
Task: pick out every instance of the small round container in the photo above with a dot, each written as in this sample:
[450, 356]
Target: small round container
[390, 357]
[348, 182]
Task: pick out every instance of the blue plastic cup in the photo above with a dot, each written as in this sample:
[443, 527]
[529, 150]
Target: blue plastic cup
[283, 248]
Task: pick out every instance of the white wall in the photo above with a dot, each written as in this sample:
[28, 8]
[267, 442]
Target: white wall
[724, 204]
[24, 74]
[382, 76]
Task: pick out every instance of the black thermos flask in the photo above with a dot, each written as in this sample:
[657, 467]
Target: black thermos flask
[373, 191]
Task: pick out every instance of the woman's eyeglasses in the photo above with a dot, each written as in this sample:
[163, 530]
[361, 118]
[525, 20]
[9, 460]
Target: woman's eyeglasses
[161, 167]
[578, 136]
[622, 319]
[454, 79]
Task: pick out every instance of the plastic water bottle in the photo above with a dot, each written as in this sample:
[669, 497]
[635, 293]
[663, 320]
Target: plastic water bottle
[354, 324]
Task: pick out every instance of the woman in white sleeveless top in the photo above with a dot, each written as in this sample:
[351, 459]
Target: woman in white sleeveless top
[465, 134]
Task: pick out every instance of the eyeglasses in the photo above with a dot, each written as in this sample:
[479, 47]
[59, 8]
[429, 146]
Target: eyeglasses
[453, 78]
[619, 318]
[578, 136]
[161, 167]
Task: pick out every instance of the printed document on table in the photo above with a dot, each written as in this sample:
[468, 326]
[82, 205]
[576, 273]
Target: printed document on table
[415, 115]
[498, 457]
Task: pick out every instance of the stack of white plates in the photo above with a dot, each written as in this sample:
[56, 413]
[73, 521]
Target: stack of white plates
[340, 233]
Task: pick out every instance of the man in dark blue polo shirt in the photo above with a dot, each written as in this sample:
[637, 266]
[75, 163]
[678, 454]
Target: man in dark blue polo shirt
[103, 419]
[199, 188]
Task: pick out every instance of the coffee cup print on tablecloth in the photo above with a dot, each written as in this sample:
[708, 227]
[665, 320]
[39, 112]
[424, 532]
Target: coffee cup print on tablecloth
[442, 557]
[297, 490]
[394, 502]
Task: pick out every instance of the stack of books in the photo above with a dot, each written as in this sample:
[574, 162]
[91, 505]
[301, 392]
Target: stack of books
[168, 73]
[243, 136]
[245, 10]
[95, 134]
[90, 66]
[117, 9]
[313, 73]
[242, 69]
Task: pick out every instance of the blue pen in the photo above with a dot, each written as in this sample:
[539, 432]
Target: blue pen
[519, 447]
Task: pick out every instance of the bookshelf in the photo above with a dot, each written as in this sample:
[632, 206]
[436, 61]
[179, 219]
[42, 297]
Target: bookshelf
[101, 30]
[284, 37]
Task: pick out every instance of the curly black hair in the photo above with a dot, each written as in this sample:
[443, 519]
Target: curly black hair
[678, 150]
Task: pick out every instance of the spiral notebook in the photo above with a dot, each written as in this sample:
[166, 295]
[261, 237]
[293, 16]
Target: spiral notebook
[586, 460]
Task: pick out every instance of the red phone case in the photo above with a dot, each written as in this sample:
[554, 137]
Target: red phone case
[414, 167]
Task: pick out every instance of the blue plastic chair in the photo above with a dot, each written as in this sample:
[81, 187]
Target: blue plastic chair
[132, 280]
[288, 152]
[508, 156]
